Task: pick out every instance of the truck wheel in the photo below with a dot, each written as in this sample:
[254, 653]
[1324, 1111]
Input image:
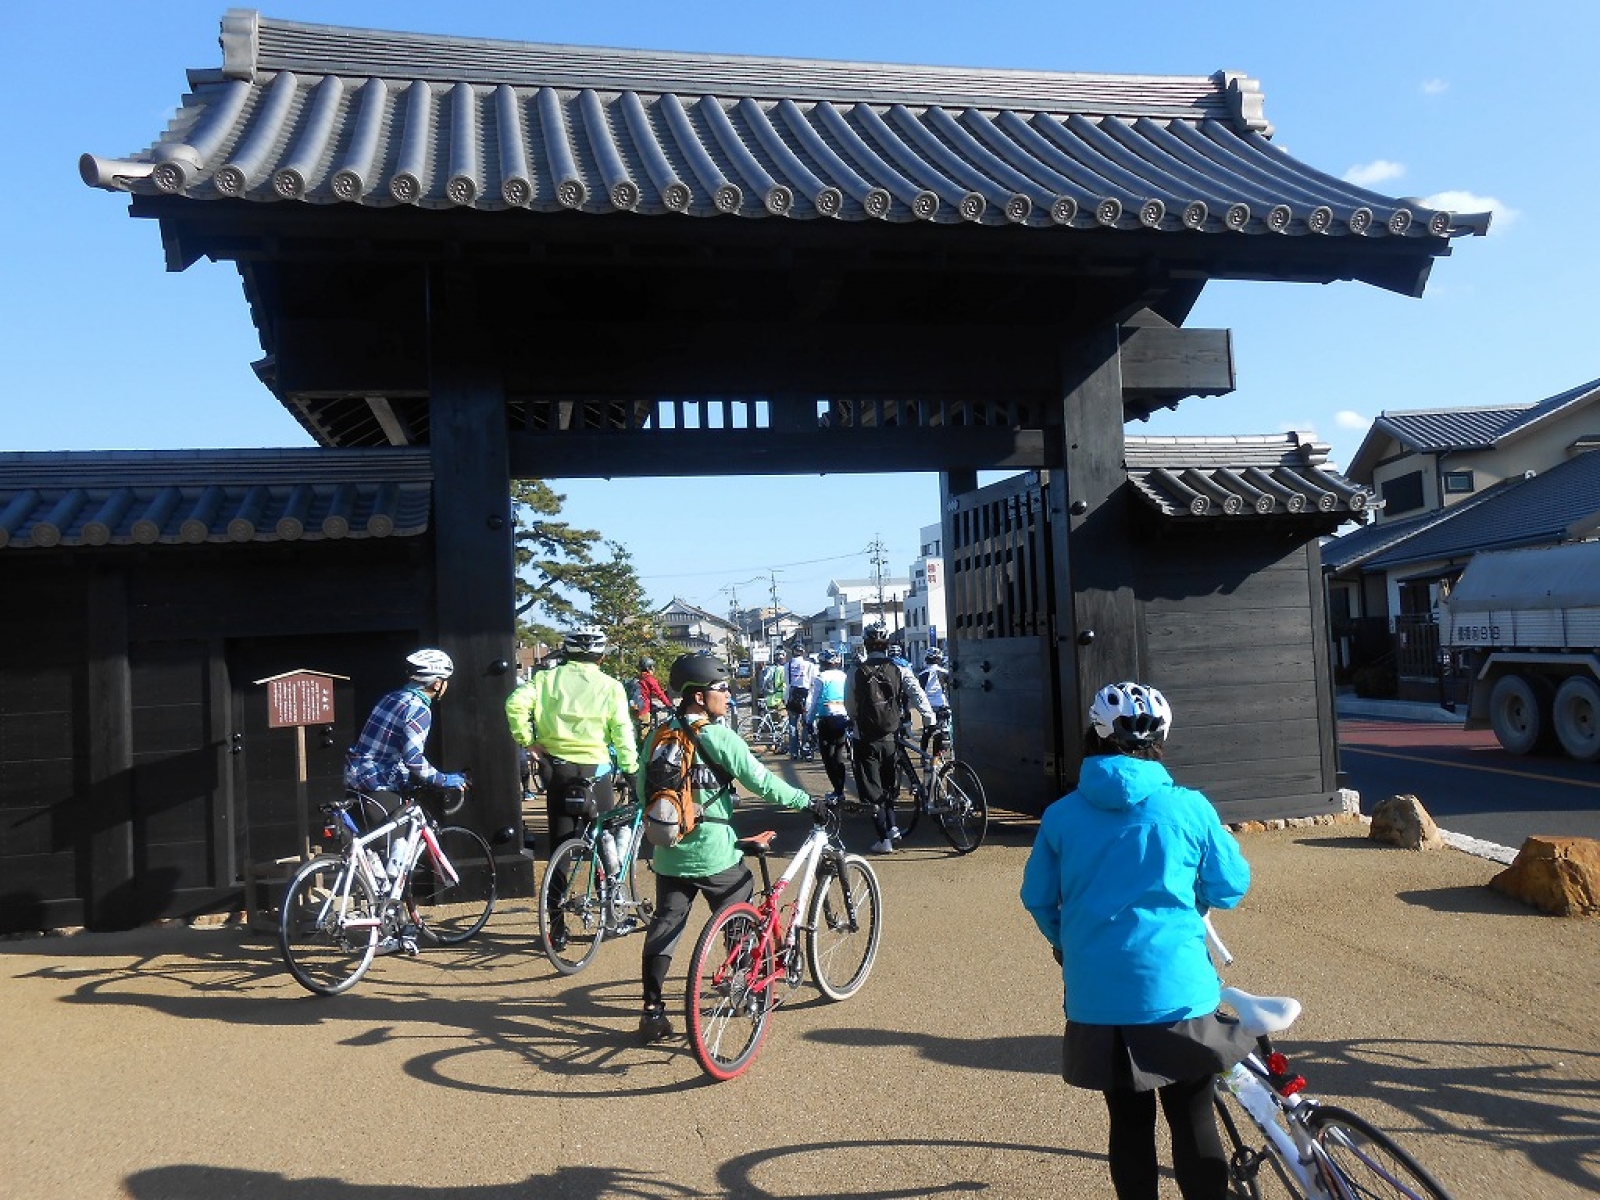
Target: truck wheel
[1519, 712]
[1576, 716]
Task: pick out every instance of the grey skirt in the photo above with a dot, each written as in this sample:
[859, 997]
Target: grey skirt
[1141, 1058]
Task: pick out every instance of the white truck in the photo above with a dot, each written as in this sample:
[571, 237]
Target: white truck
[1526, 624]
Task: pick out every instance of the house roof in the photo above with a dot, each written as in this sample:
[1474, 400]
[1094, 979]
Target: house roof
[694, 612]
[316, 115]
[1276, 477]
[1554, 506]
[1440, 430]
[184, 497]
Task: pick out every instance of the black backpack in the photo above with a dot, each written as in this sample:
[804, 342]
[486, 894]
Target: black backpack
[878, 688]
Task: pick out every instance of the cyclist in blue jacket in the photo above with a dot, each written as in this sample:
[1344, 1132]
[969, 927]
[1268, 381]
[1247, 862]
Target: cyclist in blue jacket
[1121, 873]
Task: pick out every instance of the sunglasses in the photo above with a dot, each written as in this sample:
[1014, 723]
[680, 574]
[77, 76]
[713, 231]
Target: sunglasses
[717, 687]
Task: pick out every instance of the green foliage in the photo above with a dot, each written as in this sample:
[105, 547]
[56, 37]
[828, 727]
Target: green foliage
[554, 562]
[617, 603]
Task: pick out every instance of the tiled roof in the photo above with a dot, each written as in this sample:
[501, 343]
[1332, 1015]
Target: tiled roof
[1437, 430]
[313, 114]
[1241, 477]
[141, 498]
[1553, 506]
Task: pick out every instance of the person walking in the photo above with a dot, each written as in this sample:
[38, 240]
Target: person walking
[802, 673]
[774, 683]
[1121, 874]
[825, 713]
[707, 861]
[574, 718]
[388, 754]
[934, 677]
[647, 698]
[875, 696]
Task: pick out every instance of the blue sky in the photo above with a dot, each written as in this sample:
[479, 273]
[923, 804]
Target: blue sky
[1486, 104]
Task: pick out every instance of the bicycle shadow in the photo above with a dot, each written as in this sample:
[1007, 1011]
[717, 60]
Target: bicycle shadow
[1538, 1101]
[1031, 1055]
[921, 1166]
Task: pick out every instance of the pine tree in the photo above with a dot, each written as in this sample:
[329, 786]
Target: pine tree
[554, 562]
[617, 604]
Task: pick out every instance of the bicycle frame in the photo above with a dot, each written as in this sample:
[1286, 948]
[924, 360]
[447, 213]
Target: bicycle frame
[419, 838]
[783, 937]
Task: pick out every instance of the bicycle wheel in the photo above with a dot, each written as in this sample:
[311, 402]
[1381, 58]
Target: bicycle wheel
[959, 803]
[730, 992]
[328, 929]
[572, 916]
[1368, 1161]
[845, 923]
[450, 913]
[910, 797]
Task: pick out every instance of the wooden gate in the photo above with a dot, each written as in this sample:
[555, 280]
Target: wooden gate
[1000, 605]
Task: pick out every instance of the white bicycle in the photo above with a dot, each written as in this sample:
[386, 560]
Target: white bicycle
[1316, 1151]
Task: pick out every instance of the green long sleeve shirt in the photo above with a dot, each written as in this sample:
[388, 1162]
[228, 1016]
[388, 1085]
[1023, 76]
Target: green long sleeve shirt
[710, 848]
[576, 712]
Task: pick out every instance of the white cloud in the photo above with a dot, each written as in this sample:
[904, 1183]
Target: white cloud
[1373, 173]
[1466, 202]
[1348, 418]
[1435, 87]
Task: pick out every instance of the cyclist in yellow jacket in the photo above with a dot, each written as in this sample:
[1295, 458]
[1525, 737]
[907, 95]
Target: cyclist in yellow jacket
[575, 718]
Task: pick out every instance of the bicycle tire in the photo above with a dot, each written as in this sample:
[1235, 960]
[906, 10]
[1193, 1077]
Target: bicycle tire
[1369, 1161]
[959, 803]
[450, 913]
[574, 868]
[910, 797]
[1246, 1163]
[323, 956]
[727, 1019]
[841, 956]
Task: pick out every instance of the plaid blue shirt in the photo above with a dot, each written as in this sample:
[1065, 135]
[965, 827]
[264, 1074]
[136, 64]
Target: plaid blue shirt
[388, 753]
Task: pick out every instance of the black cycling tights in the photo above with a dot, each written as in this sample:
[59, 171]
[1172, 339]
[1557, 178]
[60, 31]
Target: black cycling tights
[1198, 1159]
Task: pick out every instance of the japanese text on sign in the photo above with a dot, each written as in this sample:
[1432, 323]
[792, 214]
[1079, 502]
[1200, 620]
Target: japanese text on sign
[299, 700]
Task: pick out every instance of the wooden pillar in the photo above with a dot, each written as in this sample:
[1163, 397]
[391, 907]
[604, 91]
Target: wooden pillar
[109, 887]
[1099, 635]
[473, 562]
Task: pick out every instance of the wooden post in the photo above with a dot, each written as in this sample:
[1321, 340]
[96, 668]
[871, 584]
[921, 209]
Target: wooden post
[109, 901]
[474, 559]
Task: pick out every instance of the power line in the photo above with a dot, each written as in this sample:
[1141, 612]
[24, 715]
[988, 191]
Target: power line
[806, 562]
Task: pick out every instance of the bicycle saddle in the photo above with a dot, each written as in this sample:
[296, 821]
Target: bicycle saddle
[1261, 1015]
[757, 843]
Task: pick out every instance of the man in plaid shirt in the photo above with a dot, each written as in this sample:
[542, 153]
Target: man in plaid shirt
[388, 755]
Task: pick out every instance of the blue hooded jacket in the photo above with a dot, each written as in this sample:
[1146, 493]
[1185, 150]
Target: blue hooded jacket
[1120, 873]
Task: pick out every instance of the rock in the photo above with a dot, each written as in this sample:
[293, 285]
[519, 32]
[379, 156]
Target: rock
[1560, 875]
[1402, 821]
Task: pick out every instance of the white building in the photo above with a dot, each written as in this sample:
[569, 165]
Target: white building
[925, 625]
[854, 604]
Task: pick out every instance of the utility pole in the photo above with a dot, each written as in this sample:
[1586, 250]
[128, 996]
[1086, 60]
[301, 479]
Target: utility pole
[777, 632]
[880, 558]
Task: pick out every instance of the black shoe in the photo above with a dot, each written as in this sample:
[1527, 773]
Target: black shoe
[655, 1027]
[558, 938]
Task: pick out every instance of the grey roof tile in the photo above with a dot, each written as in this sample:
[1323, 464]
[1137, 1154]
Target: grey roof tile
[1515, 512]
[322, 115]
[182, 497]
[1236, 477]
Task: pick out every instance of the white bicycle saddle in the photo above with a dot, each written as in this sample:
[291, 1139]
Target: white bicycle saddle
[1261, 1015]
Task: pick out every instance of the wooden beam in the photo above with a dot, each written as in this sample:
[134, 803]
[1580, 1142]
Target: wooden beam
[1169, 364]
[393, 425]
[582, 454]
[109, 901]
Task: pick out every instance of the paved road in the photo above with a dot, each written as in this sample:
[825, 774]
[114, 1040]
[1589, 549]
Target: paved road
[1467, 782]
[178, 1064]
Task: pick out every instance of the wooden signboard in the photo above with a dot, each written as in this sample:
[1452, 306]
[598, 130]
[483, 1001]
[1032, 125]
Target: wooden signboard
[300, 698]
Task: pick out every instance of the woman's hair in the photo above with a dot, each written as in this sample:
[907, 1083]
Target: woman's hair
[1094, 745]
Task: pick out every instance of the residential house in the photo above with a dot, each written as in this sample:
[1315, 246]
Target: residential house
[1453, 482]
[694, 628]
[853, 604]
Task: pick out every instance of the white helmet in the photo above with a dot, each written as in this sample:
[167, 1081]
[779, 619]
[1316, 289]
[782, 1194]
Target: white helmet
[1131, 714]
[586, 641]
[429, 665]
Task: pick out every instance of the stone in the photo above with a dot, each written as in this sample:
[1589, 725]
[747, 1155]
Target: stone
[1403, 821]
[1559, 875]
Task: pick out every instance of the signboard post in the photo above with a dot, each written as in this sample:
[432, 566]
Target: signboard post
[300, 698]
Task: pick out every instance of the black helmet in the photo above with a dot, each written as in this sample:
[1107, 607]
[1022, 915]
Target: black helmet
[933, 657]
[647, 664]
[875, 637]
[693, 671]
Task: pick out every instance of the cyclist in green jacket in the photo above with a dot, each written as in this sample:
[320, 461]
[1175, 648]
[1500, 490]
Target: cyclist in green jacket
[575, 718]
[774, 685]
[706, 862]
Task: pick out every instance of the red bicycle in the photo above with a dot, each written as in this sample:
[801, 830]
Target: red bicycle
[748, 958]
